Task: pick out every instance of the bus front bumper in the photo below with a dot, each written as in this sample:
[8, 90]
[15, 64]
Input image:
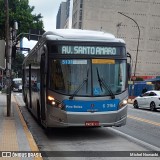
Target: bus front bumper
[88, 119]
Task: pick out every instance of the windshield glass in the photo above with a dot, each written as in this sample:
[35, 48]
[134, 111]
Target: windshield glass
[113, 75]
[73, 77]
[17, 81]
[68, 75]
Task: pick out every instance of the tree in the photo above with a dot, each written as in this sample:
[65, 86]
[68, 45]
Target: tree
[17, 65]
[20, 11]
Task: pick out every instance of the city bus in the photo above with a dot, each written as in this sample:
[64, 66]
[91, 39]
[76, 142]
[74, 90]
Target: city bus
[17, 84]
[77, 78]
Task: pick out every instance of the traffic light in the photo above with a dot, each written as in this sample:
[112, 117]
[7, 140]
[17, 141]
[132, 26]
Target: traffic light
[35, 34]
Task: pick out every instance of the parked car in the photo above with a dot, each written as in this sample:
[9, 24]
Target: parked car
[150, 99]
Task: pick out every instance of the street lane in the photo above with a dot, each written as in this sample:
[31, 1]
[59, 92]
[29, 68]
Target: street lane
[144, 120]
[80, 139]
[143, 124]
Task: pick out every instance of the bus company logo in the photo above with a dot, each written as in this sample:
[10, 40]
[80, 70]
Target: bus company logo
[6, 154]
[92, 105]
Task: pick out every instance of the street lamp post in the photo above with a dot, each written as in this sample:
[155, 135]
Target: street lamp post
[9, 45]
[8, 64]
[134, 74]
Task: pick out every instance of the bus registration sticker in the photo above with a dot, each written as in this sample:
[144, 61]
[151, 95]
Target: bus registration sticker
[91, 123]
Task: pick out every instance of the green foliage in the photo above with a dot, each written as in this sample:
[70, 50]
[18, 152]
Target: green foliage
[2, 19]
[3, 90]
[17, 65]
[20, 11]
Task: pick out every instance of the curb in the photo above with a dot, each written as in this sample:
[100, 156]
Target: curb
[137, 141]
[30, 139]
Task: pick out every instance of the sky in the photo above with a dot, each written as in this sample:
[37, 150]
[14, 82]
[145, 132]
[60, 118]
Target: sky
[48, 10]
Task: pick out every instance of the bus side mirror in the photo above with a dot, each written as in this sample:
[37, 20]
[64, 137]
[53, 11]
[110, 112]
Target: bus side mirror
[129, 72]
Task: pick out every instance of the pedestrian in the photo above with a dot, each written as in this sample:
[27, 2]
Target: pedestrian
[144, 90]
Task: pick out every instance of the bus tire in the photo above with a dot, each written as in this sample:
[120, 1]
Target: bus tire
[48, 130]
[38, 113]
[26, 102]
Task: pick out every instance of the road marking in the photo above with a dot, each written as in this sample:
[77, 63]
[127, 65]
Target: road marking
[144, 120]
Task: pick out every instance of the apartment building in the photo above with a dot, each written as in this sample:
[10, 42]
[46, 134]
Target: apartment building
[143, 14]
[63, 18]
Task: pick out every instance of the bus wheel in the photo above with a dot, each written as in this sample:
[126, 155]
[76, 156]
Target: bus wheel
[26, 102]
[48, 130]
[38, 113]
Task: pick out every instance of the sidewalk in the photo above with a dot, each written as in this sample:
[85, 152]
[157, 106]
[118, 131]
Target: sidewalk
[15, 137]
[14, 133]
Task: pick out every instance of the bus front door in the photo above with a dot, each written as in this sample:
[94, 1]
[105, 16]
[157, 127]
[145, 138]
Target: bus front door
[43, 87]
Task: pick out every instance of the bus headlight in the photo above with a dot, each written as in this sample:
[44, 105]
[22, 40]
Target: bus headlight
[53, 102]
[123, 103]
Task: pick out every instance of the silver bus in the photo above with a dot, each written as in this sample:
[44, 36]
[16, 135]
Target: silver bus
[74, 78]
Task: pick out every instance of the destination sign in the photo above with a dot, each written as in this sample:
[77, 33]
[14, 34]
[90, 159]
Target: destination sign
[89, 50]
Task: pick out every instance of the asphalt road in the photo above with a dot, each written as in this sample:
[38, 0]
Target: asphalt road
[96, 139]
[143, 124]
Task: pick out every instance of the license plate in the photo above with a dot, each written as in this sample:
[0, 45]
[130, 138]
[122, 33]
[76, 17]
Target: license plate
[92, 123]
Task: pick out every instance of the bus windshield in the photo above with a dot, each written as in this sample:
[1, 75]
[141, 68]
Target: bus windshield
[17, 81]
[88, 77]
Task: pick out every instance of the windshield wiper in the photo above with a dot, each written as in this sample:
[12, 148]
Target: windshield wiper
[102, 83]
[85, 81]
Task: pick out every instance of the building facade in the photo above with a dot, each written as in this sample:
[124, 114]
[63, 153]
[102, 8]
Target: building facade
[63, 15]
[143, 14]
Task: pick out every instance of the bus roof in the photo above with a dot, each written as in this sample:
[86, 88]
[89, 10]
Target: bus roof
[75, 35]
[80, 35]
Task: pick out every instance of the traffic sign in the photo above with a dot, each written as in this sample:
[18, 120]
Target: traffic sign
[134, 78]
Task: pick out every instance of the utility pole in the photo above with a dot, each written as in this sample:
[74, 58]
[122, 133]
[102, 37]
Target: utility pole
[138, 40]
[134, 74]
[8, 60]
